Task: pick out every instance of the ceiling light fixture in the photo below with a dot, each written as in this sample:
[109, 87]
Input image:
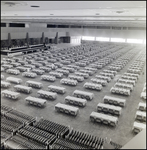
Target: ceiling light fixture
[34, 6]
[10, 3]
[97, 14]
[119, 11]
[51, 14]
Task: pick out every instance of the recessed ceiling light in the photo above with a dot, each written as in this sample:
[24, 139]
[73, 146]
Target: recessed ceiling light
[97, 14]
[34, 6]
[10, 3]
[119, 11]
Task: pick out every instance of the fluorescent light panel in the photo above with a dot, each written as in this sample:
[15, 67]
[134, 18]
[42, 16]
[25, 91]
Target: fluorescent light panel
[139, 41]
[102, 39]
[117, 40]
[90, 38]
[75, 40]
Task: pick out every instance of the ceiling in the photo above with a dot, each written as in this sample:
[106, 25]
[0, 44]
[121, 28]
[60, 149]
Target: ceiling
[106, 13]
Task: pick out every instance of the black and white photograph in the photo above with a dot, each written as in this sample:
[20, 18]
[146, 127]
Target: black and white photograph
[73, 75]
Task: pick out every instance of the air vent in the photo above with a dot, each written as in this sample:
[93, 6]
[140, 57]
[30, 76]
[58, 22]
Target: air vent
[17, 25]
[3, 24]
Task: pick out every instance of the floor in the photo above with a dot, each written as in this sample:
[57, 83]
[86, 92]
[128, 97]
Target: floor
[120, 134]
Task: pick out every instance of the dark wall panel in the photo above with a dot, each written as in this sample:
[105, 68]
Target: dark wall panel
[3, 24]
[51, 26]
[17, 25]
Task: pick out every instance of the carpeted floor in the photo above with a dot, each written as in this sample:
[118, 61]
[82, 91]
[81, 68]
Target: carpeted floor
[120, 134]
